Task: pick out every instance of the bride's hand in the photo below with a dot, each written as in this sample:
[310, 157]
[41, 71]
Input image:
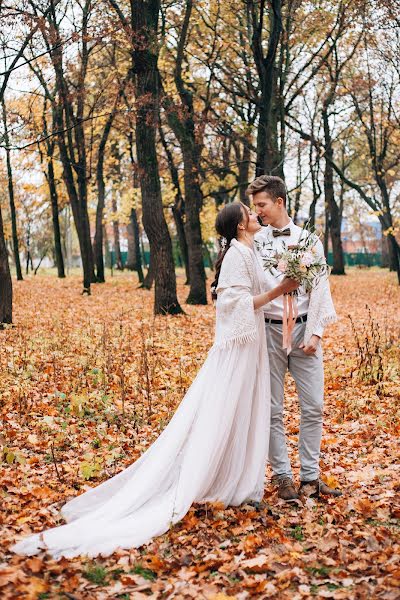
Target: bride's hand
[289, 285]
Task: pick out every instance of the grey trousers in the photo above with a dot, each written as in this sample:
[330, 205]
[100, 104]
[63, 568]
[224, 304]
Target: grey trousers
[308, 374]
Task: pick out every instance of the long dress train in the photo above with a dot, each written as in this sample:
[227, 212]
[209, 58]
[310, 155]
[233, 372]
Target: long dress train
[213, 449]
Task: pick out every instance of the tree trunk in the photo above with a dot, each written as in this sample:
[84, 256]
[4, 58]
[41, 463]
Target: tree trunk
[178, 209]
[107, 253]
[314, 171]
[101, 198]
[134, 254]
[148, 281]
[244, 173]
[296, 208]
[335, 220]
[71, 138]
[394, 250]
[117, 245]
[81, 220]
[273, 163]
[6, 295]
[182, 120]
[98, 236]
[299, 177]
[385, 248]
[192, 247]
[28, 248]
[311, 212]
[144, 63]
[131, 258]
[134, 251]
[11, 196]
[394, 262]
[390, 244]
[180, 229]
[193, 202]
[268, 156]
[55, 218]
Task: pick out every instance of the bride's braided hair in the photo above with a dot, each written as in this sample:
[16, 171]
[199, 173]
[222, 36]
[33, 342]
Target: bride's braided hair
[226, 224]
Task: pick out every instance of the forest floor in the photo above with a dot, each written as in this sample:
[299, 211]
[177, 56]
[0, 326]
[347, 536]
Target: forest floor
[86, 385]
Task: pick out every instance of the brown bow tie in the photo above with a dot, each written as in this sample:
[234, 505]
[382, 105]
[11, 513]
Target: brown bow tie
[278, 233]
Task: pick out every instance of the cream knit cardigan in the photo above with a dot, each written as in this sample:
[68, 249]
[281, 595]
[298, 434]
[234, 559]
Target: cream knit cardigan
[241, 277]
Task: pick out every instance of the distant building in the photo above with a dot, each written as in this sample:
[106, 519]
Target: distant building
[361, 238]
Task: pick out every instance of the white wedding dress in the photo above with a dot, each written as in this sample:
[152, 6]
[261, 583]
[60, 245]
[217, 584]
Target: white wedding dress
[213, 449]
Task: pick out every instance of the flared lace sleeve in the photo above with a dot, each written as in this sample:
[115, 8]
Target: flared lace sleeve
[236, 322]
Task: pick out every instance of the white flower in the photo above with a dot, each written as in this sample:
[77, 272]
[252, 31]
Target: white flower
[307, 259]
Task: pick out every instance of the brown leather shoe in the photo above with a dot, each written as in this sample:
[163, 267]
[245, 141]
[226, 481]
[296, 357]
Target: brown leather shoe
[286, 489]
[315, 488]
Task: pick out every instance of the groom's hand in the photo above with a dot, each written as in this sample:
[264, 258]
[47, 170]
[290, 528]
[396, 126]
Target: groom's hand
[312, 345]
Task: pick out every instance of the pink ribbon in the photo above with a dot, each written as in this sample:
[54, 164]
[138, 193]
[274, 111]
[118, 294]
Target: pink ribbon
[290, 314]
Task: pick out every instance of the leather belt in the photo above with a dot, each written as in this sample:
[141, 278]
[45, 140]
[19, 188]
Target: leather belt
[301, 319]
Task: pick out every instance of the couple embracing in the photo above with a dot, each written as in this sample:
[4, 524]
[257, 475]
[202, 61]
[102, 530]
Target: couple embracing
[230, 421]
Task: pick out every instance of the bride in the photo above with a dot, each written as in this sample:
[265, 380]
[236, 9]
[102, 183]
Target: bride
[215, 446]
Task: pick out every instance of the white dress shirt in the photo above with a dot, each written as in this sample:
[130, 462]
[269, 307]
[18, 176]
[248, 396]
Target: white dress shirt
[270, 245]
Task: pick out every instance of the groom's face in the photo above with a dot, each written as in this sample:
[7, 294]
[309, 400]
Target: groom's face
[266, 208]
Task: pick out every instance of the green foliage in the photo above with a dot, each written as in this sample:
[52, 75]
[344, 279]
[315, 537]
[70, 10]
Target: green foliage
[96, 574]
[145, 573]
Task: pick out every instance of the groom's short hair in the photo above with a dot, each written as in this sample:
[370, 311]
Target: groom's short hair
[273, 185]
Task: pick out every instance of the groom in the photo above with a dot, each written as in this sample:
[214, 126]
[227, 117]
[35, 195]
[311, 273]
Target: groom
[304, 362]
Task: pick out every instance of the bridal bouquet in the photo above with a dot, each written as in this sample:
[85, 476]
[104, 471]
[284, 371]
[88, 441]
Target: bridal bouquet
[300, 262]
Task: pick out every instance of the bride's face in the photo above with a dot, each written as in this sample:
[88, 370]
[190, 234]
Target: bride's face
[252, 225]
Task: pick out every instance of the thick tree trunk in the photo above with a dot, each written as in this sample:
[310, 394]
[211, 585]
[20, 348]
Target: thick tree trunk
[385, 248]
[335, 219]
[394, 259]
[6, 296]
[268, 155]
[185, 132]
[78, 201]
[392, 262]
[71, 139]
[311, 212]
[11, 196]
[391, 258]
[395, 255]
[51, 182]
[182, 120]
[55, 218]
[144, 62]
[193, 202]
